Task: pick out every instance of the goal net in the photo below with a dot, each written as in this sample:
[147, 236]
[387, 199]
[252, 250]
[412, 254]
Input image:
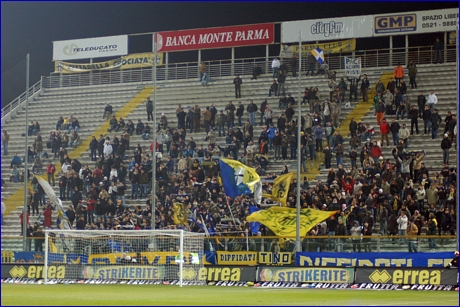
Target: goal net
[146, 256]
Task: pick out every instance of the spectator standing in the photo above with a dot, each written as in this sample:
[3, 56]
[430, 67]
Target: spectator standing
[412, 230]
[432, 100]
[412, 74]
[311, 61]
[107, 112]
[399, 74]
[237, 82]
[251, 109]
[275, 67]
[384, 130]
[281, 82]
[413, 114]
[5, 140]
[50, 170]
[149, 107]
[402, 225]
[364, 87]
[446, 144]
[435, 122]
[421, 102]
[438, 47]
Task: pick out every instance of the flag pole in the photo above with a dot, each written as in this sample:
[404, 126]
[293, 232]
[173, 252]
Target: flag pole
[299, 160]
[154, 136]
[26, 161]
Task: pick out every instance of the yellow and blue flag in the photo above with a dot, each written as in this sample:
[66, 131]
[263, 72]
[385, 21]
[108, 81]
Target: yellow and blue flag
[282, 220]
[319, 55]
[280, 188]
[239, 179]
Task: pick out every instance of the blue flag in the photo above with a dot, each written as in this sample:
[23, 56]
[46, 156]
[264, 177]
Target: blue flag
[254, 225]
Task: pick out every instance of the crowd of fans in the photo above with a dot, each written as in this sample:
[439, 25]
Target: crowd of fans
[396, 192]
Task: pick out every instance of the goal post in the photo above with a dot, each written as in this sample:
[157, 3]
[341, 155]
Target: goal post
[144, 255]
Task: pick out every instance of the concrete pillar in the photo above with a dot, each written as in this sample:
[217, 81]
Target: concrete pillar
[391, 51]
[407, 49]
[166, 62]
[445, 47]
[267, 59]
[232, 68]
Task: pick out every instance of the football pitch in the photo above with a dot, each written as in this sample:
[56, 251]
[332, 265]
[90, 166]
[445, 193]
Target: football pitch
[131, 295]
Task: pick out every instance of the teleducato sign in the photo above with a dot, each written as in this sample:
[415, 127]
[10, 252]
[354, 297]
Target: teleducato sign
[210, 38]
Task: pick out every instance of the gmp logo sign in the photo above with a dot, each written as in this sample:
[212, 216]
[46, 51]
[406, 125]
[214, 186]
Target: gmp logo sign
[395, 23]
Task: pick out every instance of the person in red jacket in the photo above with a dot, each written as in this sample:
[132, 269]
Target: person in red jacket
[50, 170]
[47, 212]
[384, 130]
[21, 218]
[348, 185]
[376, 152]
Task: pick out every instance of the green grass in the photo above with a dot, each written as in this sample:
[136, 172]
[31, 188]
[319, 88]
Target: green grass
[130, 295]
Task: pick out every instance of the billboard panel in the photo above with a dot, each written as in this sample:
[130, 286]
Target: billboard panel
[327, 29]
[88, 48]
[222, 37]
[416, 22]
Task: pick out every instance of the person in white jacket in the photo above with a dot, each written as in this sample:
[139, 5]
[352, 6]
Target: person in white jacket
[420, 194]
[432, 100]
[108, 149]
[402, 226]
[275, 66]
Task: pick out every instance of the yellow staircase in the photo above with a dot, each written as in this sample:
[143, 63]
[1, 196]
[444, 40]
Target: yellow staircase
[357, 113]
[17, 199]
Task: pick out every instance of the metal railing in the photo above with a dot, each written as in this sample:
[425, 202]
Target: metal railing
[225, 68]
[375, 243]
[22, 98]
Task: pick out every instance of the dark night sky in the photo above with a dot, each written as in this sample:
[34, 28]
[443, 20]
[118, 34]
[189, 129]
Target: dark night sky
[30, 27]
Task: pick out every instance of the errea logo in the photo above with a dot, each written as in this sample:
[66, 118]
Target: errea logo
[380, 277]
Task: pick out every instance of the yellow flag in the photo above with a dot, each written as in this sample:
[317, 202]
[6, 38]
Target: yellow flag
[179, 215]
[282, 220]
[280, 188]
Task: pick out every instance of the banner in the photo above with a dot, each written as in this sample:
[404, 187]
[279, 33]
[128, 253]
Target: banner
[88, 48]
[444, 20]
[152, 258]
[220, 273]
[327, 29]
[136, 60]
[123, 272]
[352, 67]
[282, 221]
[236, 258]
[33, 271]
[373, 259]
[348, 45]
[221, 37]
[28, 257]
[275, 258]
[293, 274]
[280, 189]
[407, 276]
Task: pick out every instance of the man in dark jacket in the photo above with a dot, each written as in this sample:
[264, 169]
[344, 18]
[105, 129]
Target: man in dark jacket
[256, 71]
[446, 144]
[421, 102]
[281, 123]
[237, 82]
[435, 122]
[413, 114]
[149, 106]
[364, 86]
